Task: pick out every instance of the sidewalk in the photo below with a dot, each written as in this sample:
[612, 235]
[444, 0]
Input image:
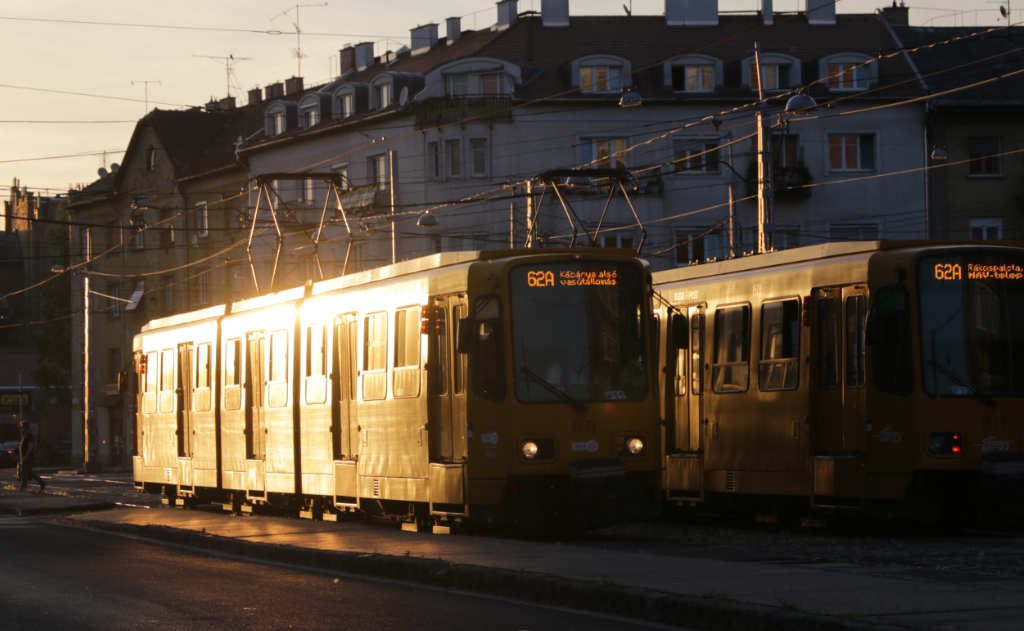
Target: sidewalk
[698, 593]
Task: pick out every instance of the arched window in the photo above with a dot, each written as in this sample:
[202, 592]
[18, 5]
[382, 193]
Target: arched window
[309, 111]
[382, 92]
[693, 74]
[847, 72]
[601, 74]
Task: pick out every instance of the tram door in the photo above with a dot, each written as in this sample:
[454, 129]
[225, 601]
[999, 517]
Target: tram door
[685, 464]
[255, 415]
[344, 376]
[838, 401]
[185, 429]
[446, 378]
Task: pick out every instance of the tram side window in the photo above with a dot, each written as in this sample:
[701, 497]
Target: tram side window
[375, 356]
[828, 337]
[152, 372]
[779, 366]
[167, 380]
[889, 340]
[232, 374]
[855, 312]
[277, 386]
[203, 398]
[407, 337]
[316, 355]
[439, 351]
[459, 364]
[731, 368]
[488, 358]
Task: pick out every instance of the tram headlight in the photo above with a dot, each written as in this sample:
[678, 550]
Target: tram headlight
[530, 449]
[635, 446]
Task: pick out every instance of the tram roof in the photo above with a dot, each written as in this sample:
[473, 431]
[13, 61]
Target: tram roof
[770, 259]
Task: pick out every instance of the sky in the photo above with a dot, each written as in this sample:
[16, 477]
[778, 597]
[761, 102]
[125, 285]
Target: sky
[51, 140]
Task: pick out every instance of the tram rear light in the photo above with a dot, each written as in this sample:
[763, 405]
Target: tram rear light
[945, 443]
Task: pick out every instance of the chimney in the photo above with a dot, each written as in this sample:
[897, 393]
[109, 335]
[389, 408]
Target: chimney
[273, 91]
[821, 12]
[423, 38]
[226, 104]
[897, 15]
[348, 59]
[554, 13]
[766, 12]
[255, 96]
[453, 29]
[508, 12]
[364, 55]
[693, 12]
[292, 85]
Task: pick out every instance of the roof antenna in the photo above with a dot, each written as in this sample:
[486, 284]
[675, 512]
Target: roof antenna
[298, 30]
[229, 63]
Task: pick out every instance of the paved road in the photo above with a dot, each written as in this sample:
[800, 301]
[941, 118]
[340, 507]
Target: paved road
[59, 577]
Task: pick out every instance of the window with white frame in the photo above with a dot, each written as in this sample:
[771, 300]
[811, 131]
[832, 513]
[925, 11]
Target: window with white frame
[697, 245]
[600, 78]
[343, 176]
[986, 229]
[307, 190]
[785, 150]
[853, 232]
[695, 155]
[851, 152]
[457, 84]
[433, 160]
[693, 77]
[603, 153]
[378, 168]
[478, 157]
[345, 104]
[983, 153]
[382, 95]
[847, 76]
[310, 117]
[616, 237]
[774, 76]
[453, 157]
[202, 220]
[278, 124]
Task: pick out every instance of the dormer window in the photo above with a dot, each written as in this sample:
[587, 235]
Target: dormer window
[346, 105]
[310, 117]
[693, 73]
[600, 79]
[382, 96]
[151, 159]
[474, 84]
[778, 72]
[600, 74]
[847, 72]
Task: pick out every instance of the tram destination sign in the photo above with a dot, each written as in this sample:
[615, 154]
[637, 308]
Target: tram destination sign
[950, 271]
[539, 278]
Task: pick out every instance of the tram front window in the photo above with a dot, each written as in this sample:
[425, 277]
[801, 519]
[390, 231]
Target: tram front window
[578, 332]
[972, 338]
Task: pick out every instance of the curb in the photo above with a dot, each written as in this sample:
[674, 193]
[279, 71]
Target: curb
[23, 511]
[598, 596]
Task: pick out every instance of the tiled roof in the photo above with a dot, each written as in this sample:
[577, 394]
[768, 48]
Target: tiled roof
[969, 60]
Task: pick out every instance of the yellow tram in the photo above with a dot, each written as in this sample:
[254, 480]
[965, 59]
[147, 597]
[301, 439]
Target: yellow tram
[511, 386]
[852, 375]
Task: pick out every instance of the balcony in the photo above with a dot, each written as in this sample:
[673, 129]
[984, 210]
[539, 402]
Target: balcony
[789, 182]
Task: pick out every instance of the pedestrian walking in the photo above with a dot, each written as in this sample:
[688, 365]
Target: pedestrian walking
[27, 456]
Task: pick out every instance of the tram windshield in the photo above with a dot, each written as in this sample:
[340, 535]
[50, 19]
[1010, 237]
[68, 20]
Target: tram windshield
[578, 332]
[972, 324]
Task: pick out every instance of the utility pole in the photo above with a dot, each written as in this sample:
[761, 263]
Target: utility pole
[764, 184]
[229, 63]
[391, 204]
[145, 83]
[85, 351]
[529, 214]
